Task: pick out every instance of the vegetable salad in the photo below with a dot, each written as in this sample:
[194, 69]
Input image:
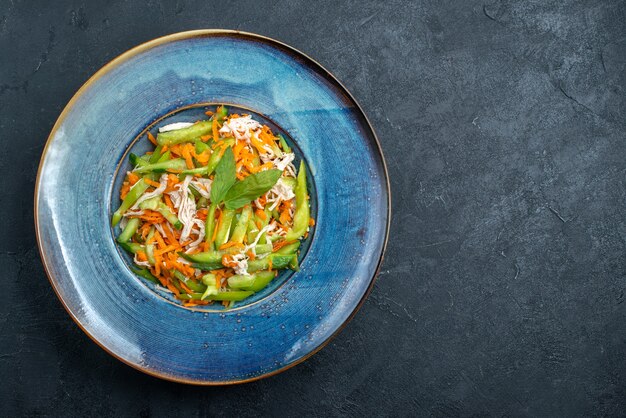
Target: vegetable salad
[216, 210]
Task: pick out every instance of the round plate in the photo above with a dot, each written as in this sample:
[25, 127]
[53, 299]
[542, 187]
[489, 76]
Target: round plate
[75, 183]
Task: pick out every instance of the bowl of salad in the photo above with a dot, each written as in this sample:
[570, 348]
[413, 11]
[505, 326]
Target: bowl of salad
[211, 207]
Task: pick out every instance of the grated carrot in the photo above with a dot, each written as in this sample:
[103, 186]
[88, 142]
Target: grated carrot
[268, 165]
[230, 244]
[159, 240]
[185, 287]
[280, 244]
[141, 256]
[166, 249]
[152, 183]
[124, 190]
[187, 156]
[216, 135]
[132, 178]
[151, 138]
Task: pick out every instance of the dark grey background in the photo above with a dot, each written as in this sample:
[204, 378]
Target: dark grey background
[503, 125]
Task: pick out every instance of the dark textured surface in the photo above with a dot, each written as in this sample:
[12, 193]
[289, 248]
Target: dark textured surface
[502, 291]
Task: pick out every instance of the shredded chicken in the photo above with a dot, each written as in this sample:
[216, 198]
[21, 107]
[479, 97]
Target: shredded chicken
[241, 264]
[186, 208]
[141, 263]
[203, 186]
[279, 193]
[240, 127]
[175, 126]
[156, 192]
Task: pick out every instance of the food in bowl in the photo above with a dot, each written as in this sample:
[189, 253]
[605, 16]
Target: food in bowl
[215, 210]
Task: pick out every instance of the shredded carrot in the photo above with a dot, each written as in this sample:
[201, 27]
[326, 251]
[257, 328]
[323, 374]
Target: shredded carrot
[168, 202]
[166, 249]
[185, 287]
[208, 113]
[196, 303]
[151, 138]
[151, 239]
[173, 289]
[216, 227]
[159, 240]
[266, 135]
[171, 239]
[230, 244]
[258, 144]
[269, 262]
[261, 214]
[216, 134]
[202, 214]
[280, 244]
[145, 228]
[132, 178]
[185, 152]
[259, 225]
[124, 190]
[251, 255]
[152, 183]
[164, 148]
[262, 167]
[141, 256]
[218, 282]
[311, 222]
[176, 150]
[203, 157]
[217, 143]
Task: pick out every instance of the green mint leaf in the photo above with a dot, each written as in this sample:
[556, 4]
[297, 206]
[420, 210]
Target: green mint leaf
[225, 176]
[250, 188]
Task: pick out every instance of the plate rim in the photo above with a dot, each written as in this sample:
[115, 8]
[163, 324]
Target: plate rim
[136, 50]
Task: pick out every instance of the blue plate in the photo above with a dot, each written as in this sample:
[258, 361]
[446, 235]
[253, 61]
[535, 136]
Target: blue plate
[174, 79]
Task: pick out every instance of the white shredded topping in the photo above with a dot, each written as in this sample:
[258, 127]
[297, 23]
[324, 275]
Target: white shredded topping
[175, 126]
[290, 170]
[266, 228]
[140, 263]
[203, 186]
[160, 229]
[200, 224]
[186, 207]
[187, 213]
[183, 261]
[282, 162]
[240, 127]
[156, 192]
[133, 212]
[279, 193]
[241, 264]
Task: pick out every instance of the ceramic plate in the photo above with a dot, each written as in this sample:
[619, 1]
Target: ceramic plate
[173, 79]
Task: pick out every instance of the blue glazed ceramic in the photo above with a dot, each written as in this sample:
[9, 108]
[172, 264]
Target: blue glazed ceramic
[167, 80]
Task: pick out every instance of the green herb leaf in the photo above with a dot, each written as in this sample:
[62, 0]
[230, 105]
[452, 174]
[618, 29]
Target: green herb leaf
[250, 188]
[225, 176]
